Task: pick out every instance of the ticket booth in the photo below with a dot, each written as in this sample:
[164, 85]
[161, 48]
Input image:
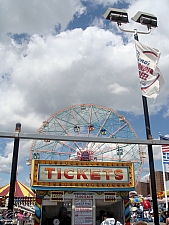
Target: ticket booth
[85, 188]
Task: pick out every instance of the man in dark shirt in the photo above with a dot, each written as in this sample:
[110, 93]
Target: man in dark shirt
[62, 218]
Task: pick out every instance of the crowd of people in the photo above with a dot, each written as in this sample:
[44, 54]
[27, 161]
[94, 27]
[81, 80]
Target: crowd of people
[147, 215]
[138, 212]
[19, 217]
[23, 217]
[105, 218]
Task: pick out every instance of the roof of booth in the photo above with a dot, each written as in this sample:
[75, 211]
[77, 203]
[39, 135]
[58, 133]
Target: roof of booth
[21, 190]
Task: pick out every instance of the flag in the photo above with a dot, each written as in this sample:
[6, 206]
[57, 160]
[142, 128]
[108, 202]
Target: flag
[150, 76]
[165, 150]
[164, 138]
[166, 157]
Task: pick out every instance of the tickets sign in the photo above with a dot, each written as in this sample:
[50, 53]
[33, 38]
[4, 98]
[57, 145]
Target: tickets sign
[82, 174]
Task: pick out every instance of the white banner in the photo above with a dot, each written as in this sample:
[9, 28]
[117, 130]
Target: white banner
[150, 76]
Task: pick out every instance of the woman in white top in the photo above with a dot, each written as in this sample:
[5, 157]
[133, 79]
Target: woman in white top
[107, 221]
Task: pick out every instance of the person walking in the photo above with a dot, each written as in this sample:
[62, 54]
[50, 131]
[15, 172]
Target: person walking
[167, 218]
[107, 221]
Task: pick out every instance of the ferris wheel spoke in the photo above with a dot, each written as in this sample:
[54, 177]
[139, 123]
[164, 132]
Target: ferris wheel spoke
[68, 146]
[81, 118]
[77, 126]
[101, 127]
[106, 150]
[119, 129]
[65, 131]
[61, 126]
[89, 124]
[98, 146]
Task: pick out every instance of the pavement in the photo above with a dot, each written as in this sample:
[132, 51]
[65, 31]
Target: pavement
[151, 223]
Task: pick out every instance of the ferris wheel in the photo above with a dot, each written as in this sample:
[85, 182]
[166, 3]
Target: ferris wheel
[88, 120]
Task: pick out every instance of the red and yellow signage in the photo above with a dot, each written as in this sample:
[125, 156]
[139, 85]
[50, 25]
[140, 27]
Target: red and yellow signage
[82, 174]
[161, 194]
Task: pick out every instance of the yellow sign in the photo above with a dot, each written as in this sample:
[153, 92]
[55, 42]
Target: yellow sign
[82, 174]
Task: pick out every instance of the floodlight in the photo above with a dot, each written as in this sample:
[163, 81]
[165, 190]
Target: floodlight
[143, 155]
[36, 156]
[145, 19]
[116, 15]
[18, 127]
[28, 162]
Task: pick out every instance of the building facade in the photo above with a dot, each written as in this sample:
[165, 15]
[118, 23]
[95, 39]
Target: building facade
[144, 188]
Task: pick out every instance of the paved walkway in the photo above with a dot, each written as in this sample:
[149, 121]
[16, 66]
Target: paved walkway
[151, 223]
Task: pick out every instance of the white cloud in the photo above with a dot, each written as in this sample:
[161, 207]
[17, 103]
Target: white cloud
[55, 70]
[103, 2]
[37, 17]
[156, 149]
[6, 158]
[72, 67]
[52, 72]
[27, 182]
[145, 178]
[117, 89]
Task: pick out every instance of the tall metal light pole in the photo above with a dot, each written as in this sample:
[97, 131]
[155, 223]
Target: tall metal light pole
[121, 16]
[14, 168]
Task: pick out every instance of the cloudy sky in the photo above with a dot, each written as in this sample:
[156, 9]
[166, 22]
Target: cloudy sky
[59, 53]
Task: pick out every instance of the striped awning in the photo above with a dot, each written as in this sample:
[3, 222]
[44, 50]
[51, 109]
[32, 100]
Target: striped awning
[21, 190]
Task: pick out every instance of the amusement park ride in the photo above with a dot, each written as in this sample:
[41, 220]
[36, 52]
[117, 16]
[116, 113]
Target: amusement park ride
[89, 120]
[79, 172]
[72, 162]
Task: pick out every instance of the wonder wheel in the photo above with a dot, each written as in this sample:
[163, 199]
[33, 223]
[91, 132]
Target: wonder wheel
[88, 120]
